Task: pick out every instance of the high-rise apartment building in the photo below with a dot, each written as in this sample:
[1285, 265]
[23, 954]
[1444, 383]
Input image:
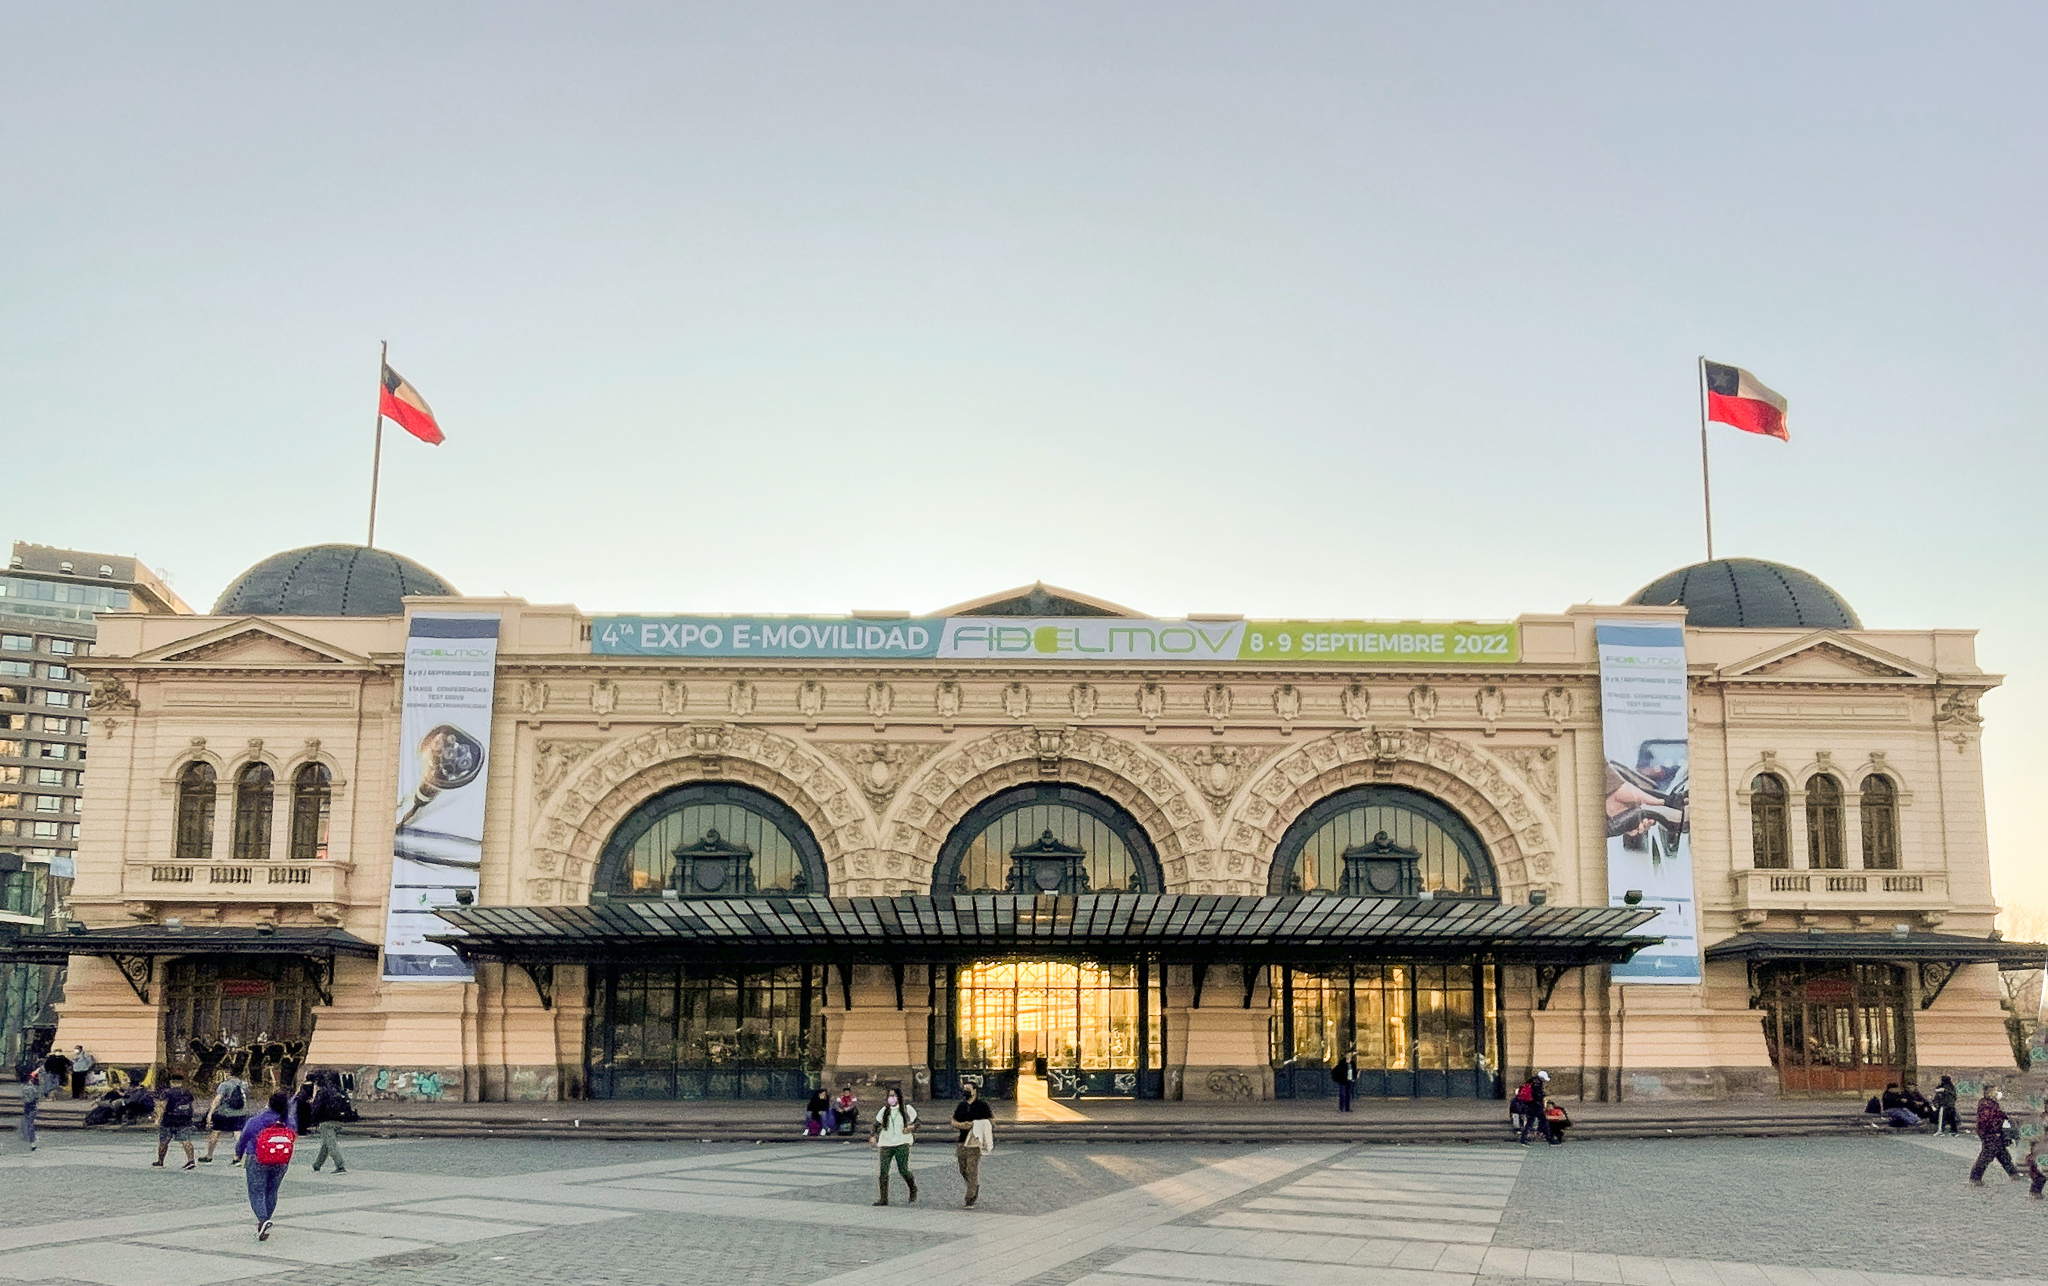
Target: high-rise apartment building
[48, 599]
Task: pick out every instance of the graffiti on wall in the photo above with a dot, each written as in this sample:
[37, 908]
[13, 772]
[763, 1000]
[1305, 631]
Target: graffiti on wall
[389, 1083]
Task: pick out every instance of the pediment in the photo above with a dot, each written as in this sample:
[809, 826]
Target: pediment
[253, 642]
[1038, 599]
[1828, 657]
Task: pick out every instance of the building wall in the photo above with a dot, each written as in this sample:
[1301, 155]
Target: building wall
[882, 759]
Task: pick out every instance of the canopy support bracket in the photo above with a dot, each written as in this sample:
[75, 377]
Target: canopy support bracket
[319, 971]
[542, 975]
[896, 976]
[1546, 982]
[1201, 972]
[1250, 972]
[140, 971]
[846, 983]
[1934, 979]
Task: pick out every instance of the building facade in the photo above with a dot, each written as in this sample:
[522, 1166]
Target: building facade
[48, 599]
[998, 844]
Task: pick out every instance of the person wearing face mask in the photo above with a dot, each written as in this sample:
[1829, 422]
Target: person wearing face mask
[894, 1131]
[1993, 1145]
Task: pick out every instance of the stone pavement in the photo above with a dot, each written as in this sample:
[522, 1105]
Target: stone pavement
[1880, 1210]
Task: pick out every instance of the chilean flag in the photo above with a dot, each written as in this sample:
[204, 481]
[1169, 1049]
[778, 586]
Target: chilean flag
[402, 402]
[1739, 399]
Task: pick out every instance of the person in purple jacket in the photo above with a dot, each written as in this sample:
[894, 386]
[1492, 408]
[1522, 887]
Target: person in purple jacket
[265, 1180]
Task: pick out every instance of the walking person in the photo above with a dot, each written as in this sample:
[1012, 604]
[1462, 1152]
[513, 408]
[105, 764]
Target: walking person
[895, 1129]
[1993, 1145]
[1345, 1073]
[264, 1150]
[325, 1110]
[1533, 1116]
[227, 1113]
[1945, 1107]
[33, 1087]
[174, 1121]
[976, 1123]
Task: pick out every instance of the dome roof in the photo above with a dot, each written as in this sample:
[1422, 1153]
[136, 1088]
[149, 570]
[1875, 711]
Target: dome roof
[1751, 594]
[328, 580]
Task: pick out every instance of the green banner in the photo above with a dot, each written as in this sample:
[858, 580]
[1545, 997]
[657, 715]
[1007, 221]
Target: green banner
[1456, 643]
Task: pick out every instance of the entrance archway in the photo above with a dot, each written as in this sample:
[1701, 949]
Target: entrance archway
[1836, 1028]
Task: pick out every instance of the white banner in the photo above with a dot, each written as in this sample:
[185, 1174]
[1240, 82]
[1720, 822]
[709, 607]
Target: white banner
[1649, 817]
[451, 667]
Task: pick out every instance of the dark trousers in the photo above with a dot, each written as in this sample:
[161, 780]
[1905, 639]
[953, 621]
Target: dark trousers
[78, 1084]
[1994, 1149]
[264, 1181]
[1343, 1096]
[1945, 1119]
[1533, 1119]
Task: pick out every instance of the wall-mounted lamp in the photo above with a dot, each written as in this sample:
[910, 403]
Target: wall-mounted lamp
[1634, 897]
[1537, 897]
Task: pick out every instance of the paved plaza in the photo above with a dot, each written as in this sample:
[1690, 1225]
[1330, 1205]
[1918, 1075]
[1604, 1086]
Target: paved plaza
[1864, 1211]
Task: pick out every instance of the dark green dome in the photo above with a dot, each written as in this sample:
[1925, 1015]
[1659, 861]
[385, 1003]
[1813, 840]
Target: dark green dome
[328, 580]
[1749, 594]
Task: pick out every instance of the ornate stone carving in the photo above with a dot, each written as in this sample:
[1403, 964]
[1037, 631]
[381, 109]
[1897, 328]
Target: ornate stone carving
[709, 742]
[1538, 766]
[1081, 700]
[1049, 743]
[1422, 701]
[1287, 702]
[739, 699]
[1557, 707]
[1216, 701]
[1386, 744]
[1151, 705]
[1218, 771]
[675, 697]
[1017, 701]
[879, 767]
[810, 701]
[1491, 703]
[533, 698]
[110, 694]
[946, 700]
[604, 698]
[552, 761]
[1356, 700]
[881, 698]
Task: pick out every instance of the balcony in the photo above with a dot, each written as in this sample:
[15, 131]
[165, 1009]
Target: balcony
[1879, 894]
[268, 883]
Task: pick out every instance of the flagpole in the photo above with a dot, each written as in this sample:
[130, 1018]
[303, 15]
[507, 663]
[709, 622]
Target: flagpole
[377, 453]
[1706, 485]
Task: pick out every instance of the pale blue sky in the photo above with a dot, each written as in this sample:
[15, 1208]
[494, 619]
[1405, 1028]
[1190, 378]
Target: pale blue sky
[1315, 310]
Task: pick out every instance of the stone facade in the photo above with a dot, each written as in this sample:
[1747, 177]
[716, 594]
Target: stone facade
[882, 759]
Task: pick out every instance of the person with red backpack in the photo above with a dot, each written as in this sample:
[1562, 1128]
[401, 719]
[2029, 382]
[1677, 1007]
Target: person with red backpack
[267, 1141]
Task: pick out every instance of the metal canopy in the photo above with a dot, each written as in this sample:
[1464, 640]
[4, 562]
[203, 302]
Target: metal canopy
[135, 949]
[923, 929]
[1881, 948]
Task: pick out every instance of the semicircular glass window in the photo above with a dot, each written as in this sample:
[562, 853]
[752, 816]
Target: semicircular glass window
[711, 841]
[1052, 839]
[1383, 842]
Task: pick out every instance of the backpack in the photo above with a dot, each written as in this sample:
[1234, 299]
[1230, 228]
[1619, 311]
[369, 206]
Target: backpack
[232, 1103]
[1525, 1094]
[274, 1145]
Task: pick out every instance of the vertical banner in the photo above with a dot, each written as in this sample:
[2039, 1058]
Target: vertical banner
[451, 667]
[1649, 821]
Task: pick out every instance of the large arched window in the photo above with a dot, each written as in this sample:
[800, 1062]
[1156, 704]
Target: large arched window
[255, 795]
[312, 800]
[711, 840]
[1769, 833]
[197, 793]
[1382, 841]
[1047, 839]
[1880, 816]
[1824, 823]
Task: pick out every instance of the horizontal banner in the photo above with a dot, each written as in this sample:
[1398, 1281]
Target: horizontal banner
[1065, 638]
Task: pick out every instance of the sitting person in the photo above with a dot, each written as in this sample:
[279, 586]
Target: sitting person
[1893, 1105]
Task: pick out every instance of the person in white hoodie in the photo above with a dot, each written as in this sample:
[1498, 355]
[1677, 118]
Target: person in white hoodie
[895, 1130]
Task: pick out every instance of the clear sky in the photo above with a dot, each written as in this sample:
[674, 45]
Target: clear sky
[1314, 310]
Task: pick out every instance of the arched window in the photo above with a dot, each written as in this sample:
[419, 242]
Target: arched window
[1880, 814]
[1382, 841]
[1824, 823]
[312, 797]
[1047, 839]
[255, 794]
[196, 796]
[711, 840]
[1769, 832]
